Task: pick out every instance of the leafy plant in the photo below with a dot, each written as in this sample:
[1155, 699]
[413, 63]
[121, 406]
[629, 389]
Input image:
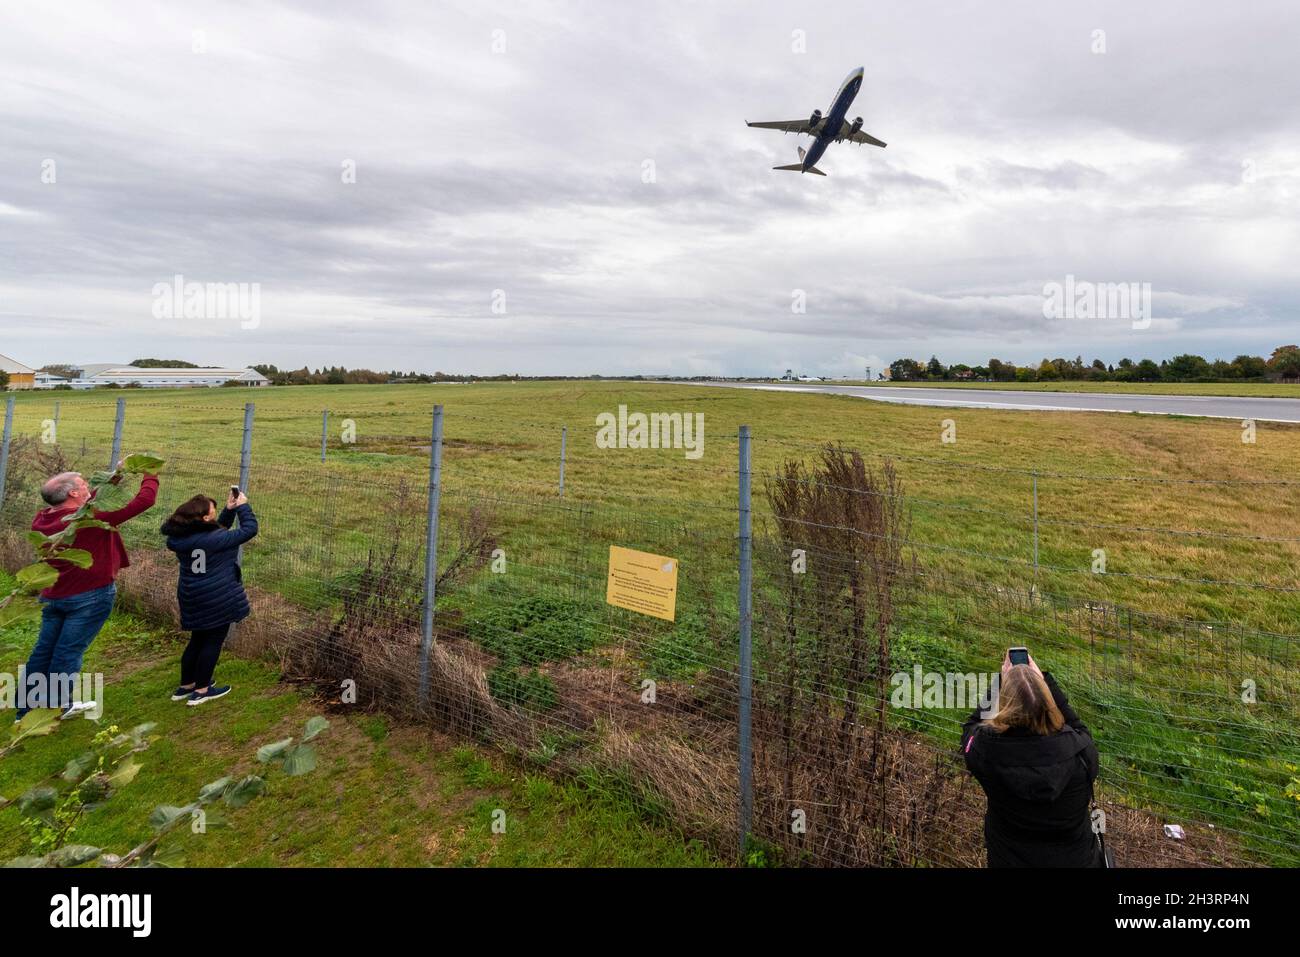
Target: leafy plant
[528, 689]
[52, 810]
[21, 604]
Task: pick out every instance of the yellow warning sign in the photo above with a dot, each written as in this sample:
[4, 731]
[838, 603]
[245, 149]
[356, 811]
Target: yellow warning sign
[641, 582]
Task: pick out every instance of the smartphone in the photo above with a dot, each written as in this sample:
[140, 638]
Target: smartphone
[1018, 655]
[234, 490]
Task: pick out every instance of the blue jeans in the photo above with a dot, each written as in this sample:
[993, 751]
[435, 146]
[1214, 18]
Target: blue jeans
[68, 626]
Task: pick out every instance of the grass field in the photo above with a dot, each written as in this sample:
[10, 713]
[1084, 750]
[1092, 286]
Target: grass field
[382, 794]
[1197, 529]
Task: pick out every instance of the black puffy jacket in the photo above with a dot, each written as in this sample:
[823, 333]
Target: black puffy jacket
[1039, 790]
[210, 590]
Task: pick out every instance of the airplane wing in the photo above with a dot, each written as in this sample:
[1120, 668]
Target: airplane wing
[858, 137]
[786, 126]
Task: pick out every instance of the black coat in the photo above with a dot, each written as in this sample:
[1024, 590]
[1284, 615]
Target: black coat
[212, 594]
[1039, 790]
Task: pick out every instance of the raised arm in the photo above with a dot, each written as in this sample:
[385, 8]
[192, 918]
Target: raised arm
[236, 537]
[1062, 702]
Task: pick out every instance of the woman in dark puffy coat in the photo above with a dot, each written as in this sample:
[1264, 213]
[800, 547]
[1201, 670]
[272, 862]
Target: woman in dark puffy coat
[210, 590]
[1036, 762]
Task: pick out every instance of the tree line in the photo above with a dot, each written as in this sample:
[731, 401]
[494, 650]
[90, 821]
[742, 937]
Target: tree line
[341, 375]
[1283, 365]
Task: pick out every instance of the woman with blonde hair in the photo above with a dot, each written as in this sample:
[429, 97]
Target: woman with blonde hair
[1036, 762]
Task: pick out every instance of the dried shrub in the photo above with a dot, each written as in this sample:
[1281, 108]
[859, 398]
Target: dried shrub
[824, 668]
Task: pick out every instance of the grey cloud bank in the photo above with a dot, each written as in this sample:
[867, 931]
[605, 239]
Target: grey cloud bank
[210, 142]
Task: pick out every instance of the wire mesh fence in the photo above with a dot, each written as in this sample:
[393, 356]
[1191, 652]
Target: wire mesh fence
[881, 597]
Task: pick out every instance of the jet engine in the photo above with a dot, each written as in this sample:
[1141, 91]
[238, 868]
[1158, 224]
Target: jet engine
[857, 125]
[815, 118]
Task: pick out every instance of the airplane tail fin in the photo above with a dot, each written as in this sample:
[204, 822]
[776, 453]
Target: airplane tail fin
[799, 167]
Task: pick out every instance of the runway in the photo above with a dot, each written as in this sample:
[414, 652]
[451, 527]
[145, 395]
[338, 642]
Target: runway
[1213, 406]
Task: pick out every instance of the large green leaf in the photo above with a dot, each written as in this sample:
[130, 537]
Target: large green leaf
[110, 497]
[315, 726]
[300, 760]
[210, 792]
[142, 462]
[87, 521]
[125, 773]
[38, 799]
[273, 752]
[237, 795]
[37, 575]
[37, 722]
[71, 855]
[164, 815]
[100, 479]
[78, 556]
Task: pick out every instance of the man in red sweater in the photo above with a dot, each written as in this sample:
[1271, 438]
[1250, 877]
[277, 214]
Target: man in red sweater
[76, 606]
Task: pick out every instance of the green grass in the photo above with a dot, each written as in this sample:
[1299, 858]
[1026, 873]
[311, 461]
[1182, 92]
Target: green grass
[381, 795]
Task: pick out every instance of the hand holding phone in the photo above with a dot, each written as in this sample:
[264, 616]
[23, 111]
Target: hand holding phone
[237, 498]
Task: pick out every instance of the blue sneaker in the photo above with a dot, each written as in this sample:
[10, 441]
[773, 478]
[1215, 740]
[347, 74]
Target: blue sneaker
[214, 691]
[182, 693]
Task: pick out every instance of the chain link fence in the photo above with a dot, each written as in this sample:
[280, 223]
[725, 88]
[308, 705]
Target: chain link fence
[454, 571]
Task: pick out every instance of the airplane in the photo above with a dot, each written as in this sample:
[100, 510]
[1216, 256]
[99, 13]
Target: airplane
[833, 128]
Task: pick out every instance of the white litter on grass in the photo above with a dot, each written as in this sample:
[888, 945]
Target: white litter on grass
[1174, 831]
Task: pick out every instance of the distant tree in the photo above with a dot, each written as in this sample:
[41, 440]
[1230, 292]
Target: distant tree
[1047, 371]
[1285, 362]
[4, 380]
[934, 368]
[1026, 374]
[61, 369]
[905, 370]
[1001, 371]
[1187, 368]
[163, 364]
[1146, 371]
[1248, 367]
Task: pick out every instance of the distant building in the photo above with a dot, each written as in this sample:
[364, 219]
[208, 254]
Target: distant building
[165, 378]
[46, 380]
[20, 376]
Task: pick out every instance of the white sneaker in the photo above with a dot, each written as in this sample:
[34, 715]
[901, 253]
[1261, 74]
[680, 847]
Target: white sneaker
[76, 708]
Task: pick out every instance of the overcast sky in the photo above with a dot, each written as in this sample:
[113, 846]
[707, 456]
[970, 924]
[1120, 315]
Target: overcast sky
[501, 153]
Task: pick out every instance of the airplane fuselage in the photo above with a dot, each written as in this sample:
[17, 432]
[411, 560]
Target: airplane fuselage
[834, 119]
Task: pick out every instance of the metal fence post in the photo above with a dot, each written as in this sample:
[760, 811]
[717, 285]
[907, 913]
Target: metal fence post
[245, 459]
[564, 435]
[431, 550]
[4, 448]
[324, 432]
[746, 626]
[117, 435]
